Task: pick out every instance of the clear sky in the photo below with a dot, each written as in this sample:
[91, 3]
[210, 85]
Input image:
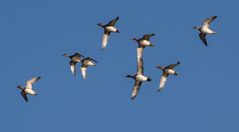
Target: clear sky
[35, 34]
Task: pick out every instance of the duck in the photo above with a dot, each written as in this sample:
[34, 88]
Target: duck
[108, 28]
[167, 70]
[77, 57]
[139, 78]
[86, 62]
[142, 43]
[205, 29]
[27, 89]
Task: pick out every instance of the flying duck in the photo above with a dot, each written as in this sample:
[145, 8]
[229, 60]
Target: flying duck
[142, 43]
[28, 88]
[139, 78]
[166, 71]
[73, 60]
[108, 28]
[85, 63]
[204, 29]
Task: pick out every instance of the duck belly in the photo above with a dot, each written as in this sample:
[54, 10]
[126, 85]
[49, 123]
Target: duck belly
[111, 29]
[141, 78]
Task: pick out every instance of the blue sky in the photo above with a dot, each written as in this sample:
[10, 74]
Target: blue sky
[35, 35]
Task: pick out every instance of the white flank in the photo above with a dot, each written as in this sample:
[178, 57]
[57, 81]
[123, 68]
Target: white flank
[145, 43]
[29, 91]
[111, 29]
[170, 71]
[141, 78]
[83, 72]
[105, 40]
[207, 30]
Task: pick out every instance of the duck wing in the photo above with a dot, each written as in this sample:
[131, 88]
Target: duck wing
[83, 71]
[147, 36]
[105, 39]
[32, 81]
[162, 82]
[24, 95]
[208, 21]
[172, 65]
[203, 38]
[113, 22]
[136, 88]
[140, 65]
[73, 67]
[140, 50]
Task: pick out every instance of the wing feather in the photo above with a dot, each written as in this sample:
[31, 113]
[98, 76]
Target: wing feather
[207, 22]
[73, 67]
[140, 62]
[203, 38]
[147, 36]
[136, 88]
[24, 95]
[162, 81]
[83, 71]
[32, 81]
[172, 65]
[113, 22]
[105, 39]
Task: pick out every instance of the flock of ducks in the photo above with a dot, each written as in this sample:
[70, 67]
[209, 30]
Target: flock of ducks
[139, 76]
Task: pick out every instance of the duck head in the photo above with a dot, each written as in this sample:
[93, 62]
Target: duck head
[20, 87]
[101, 25]
[197, 28]
[66, 55]
[135, 39]
[160, 67]
[130, 76]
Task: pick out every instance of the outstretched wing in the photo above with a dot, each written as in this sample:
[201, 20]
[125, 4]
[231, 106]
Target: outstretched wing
[162, 81]
[73, 67]
[140, 51]
[24, 95]
[203, 38]
[136, 88]
[172, 65]
[207, 22]
[32, 81]
[79, 55]
[105, 39]
[83, 71]
[147, 36]
[140, 62]
[90, 59]
[113, 22]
